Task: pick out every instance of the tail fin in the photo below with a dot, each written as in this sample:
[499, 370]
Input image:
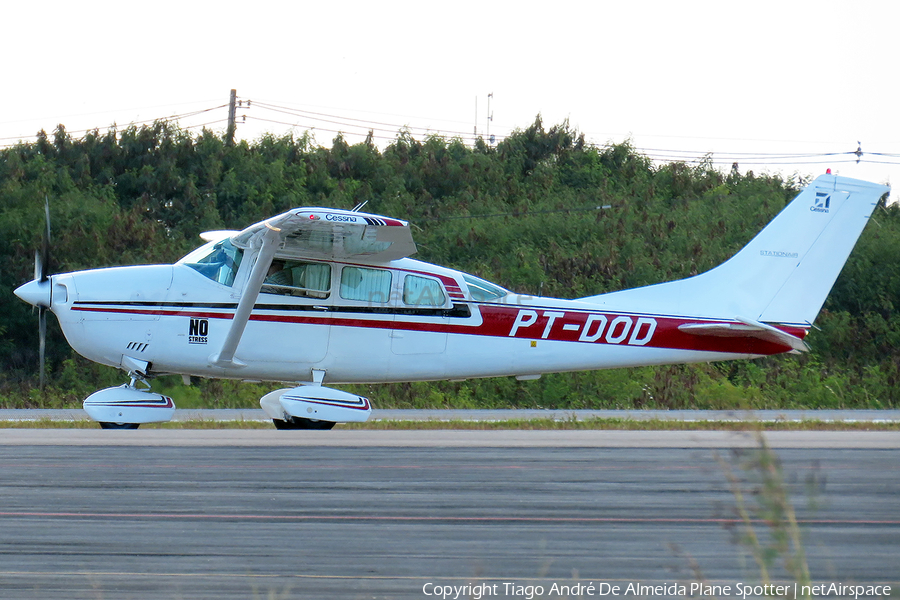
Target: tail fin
[783, 275]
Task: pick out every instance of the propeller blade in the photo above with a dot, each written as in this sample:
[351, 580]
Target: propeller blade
[45, 245]
[41, 269]
[42, 327]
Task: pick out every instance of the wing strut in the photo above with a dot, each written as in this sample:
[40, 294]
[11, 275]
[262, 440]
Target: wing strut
[225, 357]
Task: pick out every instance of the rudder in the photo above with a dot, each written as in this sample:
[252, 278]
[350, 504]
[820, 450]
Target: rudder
[784, 274]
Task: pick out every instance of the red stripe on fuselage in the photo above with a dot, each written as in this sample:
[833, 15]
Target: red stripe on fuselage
[532, 323]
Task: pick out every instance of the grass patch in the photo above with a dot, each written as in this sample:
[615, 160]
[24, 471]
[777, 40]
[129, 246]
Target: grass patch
[49, 424]
[626, 425]
[512, 424]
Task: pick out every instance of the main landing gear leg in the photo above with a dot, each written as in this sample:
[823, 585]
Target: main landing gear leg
[311, 405]
[299, 422]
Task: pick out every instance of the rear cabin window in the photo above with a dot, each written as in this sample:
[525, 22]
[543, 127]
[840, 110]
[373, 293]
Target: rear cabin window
[367, 285]
[419, 291]
[293, 278]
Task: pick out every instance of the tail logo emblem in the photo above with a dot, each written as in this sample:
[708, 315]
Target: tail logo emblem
[822, 202]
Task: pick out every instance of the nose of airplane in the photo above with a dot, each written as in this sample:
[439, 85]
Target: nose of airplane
[36, 293]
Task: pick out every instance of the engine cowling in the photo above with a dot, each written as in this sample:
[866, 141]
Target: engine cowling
[127, 405]
[316, 402]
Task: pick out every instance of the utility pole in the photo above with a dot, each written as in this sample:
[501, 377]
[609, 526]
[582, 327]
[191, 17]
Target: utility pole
[229, 134]
[490, 118]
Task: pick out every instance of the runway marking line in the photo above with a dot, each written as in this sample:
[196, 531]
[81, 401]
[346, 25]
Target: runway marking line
[255, 517]
[350, 577]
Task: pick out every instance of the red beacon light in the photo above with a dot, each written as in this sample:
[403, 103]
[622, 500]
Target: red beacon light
[828, 171]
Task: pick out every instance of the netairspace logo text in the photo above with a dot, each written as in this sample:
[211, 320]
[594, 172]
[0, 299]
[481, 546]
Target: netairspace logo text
[738, 590]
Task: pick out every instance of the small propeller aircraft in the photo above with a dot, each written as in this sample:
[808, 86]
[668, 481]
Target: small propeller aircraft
[320, 295]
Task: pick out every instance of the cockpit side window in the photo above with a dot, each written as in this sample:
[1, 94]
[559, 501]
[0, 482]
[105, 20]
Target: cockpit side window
[293, 278]
[219, 263]
[483, 291]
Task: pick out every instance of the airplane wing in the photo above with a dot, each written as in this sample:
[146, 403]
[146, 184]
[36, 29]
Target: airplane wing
[328, 234]
[310, 233]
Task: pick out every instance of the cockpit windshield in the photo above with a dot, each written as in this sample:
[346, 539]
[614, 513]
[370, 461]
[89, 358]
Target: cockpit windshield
[218, 261]
[483, 291]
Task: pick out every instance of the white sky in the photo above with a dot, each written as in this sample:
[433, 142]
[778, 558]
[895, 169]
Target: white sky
[753, 77]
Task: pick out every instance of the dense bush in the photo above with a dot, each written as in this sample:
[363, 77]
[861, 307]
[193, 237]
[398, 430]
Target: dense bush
[523, 214]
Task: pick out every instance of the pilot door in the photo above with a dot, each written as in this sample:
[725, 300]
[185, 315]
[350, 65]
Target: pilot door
[420, 322]
[292, 318]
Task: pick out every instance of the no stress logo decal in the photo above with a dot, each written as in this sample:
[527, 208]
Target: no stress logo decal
[198, 331]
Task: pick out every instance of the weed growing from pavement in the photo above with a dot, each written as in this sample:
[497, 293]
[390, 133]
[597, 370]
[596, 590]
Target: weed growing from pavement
[768, 527]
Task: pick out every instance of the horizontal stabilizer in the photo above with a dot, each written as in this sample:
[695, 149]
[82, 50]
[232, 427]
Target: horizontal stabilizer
[746, 328]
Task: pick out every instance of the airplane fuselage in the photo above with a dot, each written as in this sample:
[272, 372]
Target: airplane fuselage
[175, 318]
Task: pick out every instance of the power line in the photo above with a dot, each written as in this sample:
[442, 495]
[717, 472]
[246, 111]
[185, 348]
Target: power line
[358, 123]
[205, 124]
[740, 154]
[523, 213]
[388, 131]
[144, 122]
[311, 118]
[315, 127]
[404, 118]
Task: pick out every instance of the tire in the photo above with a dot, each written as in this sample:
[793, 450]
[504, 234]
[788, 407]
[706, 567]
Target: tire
[298, 423]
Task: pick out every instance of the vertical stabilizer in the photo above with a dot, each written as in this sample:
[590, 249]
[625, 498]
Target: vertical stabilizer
[784, 274]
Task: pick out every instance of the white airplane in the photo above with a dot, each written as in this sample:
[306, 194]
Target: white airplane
[319, 295]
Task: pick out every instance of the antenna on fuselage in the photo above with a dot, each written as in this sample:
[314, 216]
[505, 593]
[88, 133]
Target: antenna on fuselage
[359, 206]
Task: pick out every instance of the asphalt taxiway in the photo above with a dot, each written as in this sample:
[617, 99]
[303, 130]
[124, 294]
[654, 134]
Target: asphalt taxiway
[521, 414]
[380, 514]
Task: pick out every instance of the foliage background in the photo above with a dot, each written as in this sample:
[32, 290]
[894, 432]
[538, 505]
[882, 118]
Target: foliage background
[523, 214]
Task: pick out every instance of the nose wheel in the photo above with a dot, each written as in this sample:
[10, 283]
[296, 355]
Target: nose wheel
[126, 406]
